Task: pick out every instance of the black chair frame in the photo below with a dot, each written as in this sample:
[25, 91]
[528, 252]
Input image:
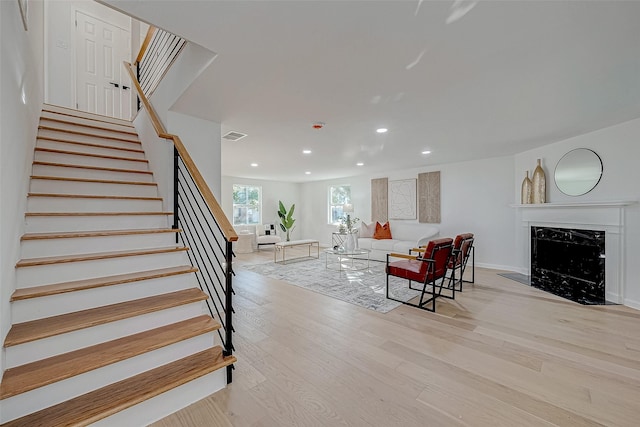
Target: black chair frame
[462, 267]
[433, 284]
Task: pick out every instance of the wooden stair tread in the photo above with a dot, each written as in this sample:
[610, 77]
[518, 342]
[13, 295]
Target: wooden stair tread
[89, 144]
[30, 262]
[58, 109]
[39, 214]
[75, 132]
[99, 168]
[96, 405]
[95, 181]
[79, 285]
[101, 233]
[30, 376]
[90, 126]
[80, 153]
[21, 333]
[92, 196]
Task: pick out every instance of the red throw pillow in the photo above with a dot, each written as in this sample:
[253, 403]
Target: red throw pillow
[382, 231]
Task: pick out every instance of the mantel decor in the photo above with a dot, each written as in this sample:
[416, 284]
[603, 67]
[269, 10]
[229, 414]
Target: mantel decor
[539, 184]
[526, 195]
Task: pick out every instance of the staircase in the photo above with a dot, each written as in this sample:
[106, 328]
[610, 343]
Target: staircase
[108, 324]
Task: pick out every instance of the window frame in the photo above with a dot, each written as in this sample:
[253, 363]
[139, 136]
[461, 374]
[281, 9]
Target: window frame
[338, 207]
[246, 205]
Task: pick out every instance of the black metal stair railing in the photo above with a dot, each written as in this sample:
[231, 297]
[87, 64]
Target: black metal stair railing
[161, 49]
[209, 251]
[206, 230]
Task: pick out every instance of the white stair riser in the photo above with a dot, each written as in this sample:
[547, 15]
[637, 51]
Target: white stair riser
[107, 151]
[151, 410]
[87, 138]
[75, 128]
[52, 394]
[53, 186]
[84, 121]
[73, 159]
[65, 172]
[68, 271]
[82, 245]
[67, 204]
[47, 347]
[83, 114]
[47, 224]
[53, 305]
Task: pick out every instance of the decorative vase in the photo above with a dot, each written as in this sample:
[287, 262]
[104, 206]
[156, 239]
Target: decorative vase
[350, 242]
[526, 196]
[539, 185]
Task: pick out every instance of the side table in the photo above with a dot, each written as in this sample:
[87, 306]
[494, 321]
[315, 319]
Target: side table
[244, 244]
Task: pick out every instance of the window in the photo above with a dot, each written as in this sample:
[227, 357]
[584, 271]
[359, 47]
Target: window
[338, 196]
[246, 204]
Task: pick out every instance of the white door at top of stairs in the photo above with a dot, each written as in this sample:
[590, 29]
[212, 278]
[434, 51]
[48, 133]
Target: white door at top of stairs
[102, 86]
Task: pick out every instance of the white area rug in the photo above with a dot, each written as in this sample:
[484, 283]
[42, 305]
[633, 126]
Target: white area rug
[365, 288]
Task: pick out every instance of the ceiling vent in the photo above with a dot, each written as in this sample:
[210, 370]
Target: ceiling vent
[233, 136]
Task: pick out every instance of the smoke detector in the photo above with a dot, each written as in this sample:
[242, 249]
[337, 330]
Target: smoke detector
[233, 136]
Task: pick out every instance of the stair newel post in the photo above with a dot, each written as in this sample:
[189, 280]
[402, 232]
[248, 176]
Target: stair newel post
[228, 342]
[176, 158]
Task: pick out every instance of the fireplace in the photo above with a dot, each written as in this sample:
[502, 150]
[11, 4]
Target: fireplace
[606, 218]
[569, 263]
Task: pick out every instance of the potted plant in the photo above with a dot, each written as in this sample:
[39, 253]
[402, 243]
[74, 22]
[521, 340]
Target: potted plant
[348, 224]
[286, 218]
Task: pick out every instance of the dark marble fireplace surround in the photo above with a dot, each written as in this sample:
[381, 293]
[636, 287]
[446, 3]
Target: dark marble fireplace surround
[569, 263]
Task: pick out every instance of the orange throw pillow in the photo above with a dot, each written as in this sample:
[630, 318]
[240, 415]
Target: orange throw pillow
[382, 231]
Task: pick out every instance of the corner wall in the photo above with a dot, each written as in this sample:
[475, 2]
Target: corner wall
[21, 95]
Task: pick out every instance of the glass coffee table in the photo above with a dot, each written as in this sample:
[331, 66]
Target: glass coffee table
[343, 260]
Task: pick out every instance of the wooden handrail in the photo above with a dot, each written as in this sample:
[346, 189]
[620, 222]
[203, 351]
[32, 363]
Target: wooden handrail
[225, 226]
[145, 43]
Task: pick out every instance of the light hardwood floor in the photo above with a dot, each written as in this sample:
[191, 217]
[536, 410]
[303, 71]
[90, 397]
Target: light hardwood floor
[501, 354]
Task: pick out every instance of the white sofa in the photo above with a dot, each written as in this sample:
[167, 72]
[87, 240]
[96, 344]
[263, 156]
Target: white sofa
[405, 235]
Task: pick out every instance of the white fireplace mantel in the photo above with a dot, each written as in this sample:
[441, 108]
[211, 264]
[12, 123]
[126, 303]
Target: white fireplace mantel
[606, 216]
[614, 203]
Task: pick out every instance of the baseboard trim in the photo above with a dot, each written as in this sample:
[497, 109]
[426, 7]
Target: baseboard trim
[632, 303]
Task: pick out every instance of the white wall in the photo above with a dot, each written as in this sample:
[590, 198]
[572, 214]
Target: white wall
[202, 139]
[60, 45]
[21, 95]
[272, 192]
[159, 152]
[619, 150]
[475, 197]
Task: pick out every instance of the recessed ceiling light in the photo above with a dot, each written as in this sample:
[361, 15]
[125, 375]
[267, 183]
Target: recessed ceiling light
[382, 130]
[307, 173]
[255, 165]
[426, 152]
[306, 151]
[359, 164]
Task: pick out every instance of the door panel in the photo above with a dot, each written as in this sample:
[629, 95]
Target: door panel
[100, 49]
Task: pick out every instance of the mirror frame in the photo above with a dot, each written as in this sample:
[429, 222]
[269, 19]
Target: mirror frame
[595, 159]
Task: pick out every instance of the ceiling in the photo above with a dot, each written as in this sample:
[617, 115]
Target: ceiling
[502, 78]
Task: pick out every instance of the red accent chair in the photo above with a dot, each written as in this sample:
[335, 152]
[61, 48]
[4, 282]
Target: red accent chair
[428, 268]
[462, 249]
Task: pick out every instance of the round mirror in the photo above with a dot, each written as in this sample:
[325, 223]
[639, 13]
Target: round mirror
[578, 172]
